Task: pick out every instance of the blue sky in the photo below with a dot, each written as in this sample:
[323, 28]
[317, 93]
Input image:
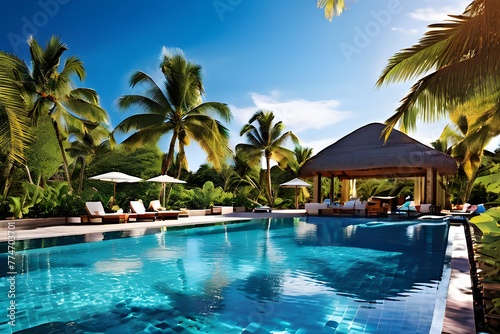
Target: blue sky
[318, 77]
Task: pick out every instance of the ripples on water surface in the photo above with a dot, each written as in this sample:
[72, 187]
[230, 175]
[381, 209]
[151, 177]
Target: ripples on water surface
[264, 276]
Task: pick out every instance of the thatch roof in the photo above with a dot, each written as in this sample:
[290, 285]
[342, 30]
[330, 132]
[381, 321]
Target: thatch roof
[363, 154]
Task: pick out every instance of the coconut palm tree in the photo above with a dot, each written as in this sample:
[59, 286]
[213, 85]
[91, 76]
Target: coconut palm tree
[86, 146]
[15, 132]
[332, 7]
[50, 93]
[458, 59]
[177, 110]
[302, 154]
[266, 139]
[468, 135]
[54, 94]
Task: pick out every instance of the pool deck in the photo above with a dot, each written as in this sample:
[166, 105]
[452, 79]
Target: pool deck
[459, 314]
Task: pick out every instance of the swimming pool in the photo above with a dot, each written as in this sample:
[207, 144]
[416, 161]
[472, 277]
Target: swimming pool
[307, 275]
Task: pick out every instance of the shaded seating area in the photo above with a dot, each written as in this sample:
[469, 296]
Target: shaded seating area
[408, 209]
[365, 154]
[162, 213]
[352, 207]
[465, 209]
[97, 214]
[139, 212]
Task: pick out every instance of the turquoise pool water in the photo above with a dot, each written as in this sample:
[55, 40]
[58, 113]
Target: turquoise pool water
[307, 275]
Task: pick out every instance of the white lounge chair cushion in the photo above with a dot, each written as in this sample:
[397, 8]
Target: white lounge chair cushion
[95, 208]
[137, 207]
[155, 205]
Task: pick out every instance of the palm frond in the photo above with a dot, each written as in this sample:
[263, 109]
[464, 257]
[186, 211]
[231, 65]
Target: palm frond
[46, 62]
[149, 105]
[144, 137]
[87, 94]
[211, 136]
[251, 153]
[85, 110]
[332, 7]
[15, 129]
[73, 66]
[141, 122]
[153, 91]
[463, 52]
[216, 108]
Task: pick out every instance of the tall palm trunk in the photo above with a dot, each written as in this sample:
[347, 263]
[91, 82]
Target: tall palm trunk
[82, 173]
[65, 159]
[268, 182]
[170, 155]
[7, 172]
[469, 185]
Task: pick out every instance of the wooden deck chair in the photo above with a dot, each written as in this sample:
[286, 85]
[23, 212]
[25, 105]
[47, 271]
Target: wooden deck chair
[139, 212]
[98, 215]
[161, 212]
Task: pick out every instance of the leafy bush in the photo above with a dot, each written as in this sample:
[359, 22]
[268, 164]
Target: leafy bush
[71, 205]
[487, 257]
[242, 200]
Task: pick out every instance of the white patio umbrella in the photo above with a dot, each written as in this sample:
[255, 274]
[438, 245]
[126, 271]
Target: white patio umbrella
[164, 179]
[295, 183]
[116, 177]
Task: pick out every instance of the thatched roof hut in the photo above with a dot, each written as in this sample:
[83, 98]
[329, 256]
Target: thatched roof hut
[364, 154]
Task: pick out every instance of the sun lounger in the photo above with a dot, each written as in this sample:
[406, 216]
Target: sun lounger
[98, 215]
[462, 210]
[315, 208]
[161, 212]
[408, 209]
[139, 212]
[262, 209]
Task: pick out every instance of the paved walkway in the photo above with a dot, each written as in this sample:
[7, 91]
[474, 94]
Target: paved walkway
[23, 229]
[458, 318]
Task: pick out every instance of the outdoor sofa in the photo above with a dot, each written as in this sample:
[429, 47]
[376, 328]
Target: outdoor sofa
[353, 206]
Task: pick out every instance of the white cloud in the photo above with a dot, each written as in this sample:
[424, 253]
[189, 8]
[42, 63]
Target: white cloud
[298, 115]
[436, 14]
[405, 31]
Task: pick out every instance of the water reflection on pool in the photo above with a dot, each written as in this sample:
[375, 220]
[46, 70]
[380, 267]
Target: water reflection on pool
[302, 275]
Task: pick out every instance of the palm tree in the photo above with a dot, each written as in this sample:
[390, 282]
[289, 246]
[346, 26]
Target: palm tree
[54, 94]
[266, 139]
[302, 154]
[332, 7]
[46, 92]
[177, 110]
[15, 133]
[468, 135]
[86, 146]
[462, 56]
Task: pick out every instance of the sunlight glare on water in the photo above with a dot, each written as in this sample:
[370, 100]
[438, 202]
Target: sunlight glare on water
[265, 276]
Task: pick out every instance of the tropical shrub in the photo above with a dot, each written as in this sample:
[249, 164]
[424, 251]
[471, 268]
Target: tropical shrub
[241, 200]
[487, 256]
[204, 198]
